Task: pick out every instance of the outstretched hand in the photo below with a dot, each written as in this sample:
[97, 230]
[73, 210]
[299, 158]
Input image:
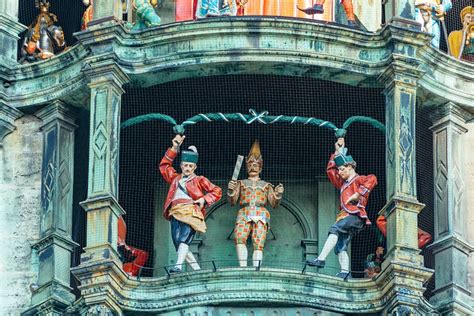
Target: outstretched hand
[279, 189]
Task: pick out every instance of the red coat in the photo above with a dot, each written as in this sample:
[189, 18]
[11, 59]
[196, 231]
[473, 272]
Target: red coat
[361, 184]
[197, 186]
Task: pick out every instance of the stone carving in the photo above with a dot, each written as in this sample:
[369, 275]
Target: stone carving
[99, 310]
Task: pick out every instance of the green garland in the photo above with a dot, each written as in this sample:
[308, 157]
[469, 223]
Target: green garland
[262, 118]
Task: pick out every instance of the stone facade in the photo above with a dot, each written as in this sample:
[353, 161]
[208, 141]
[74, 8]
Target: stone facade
[20, 213]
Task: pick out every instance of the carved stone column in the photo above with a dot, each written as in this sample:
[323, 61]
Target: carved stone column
[54, 249]
[102, 208]
[100, 264]
[451, 247]
[403, 263]
[9, 30]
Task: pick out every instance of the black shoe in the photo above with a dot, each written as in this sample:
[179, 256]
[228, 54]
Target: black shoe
[316, 9]
[352, 24]
[175, 270]
[344, 275]
[316, 263]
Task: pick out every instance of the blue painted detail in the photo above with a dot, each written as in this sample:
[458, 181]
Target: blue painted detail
[46, 254]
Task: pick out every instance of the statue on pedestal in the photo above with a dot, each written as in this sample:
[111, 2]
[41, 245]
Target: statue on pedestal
[461, 41]
[188, 197]
[352, 218]
[43, 39]
[253, 217]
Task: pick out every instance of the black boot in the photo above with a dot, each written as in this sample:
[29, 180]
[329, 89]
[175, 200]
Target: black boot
[316, 263]
[315, 9]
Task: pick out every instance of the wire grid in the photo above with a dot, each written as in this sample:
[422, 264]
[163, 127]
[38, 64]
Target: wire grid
[293, 155]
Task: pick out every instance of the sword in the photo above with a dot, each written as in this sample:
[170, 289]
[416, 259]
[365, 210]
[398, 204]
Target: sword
[445, 31]
[238, 165]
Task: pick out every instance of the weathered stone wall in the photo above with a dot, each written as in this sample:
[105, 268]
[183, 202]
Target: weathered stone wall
[20, 187]
[469, 187]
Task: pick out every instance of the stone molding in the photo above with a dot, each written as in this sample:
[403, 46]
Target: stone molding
[57, 111]
[102, 202]
[169, 49]
[237, 285]
[11, 26]
[55, 239]
[8, 115]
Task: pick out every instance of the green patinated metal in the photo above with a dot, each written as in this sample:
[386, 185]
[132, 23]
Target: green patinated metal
[262, 118]
[109, 57]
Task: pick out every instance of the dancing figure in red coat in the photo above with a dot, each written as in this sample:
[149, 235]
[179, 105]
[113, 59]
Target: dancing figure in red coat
[352, 218]
[188, 197]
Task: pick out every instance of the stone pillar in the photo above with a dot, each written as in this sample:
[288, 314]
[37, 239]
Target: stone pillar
[103, 210]
[403, 262]
[52, 292]
[451, 247]
[106, 11]
[9, 30]
[101, 205]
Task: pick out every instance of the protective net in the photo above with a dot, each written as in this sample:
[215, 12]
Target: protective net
[294, 155]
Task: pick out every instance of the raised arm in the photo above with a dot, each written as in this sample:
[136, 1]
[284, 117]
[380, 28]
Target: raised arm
[166, 163]
[333, 173]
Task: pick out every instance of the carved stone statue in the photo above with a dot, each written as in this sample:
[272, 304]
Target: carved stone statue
[253, 217]
[461, 41]
[43, 39]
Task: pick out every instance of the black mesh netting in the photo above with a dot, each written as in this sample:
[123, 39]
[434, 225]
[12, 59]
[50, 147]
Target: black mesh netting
[293, 155]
